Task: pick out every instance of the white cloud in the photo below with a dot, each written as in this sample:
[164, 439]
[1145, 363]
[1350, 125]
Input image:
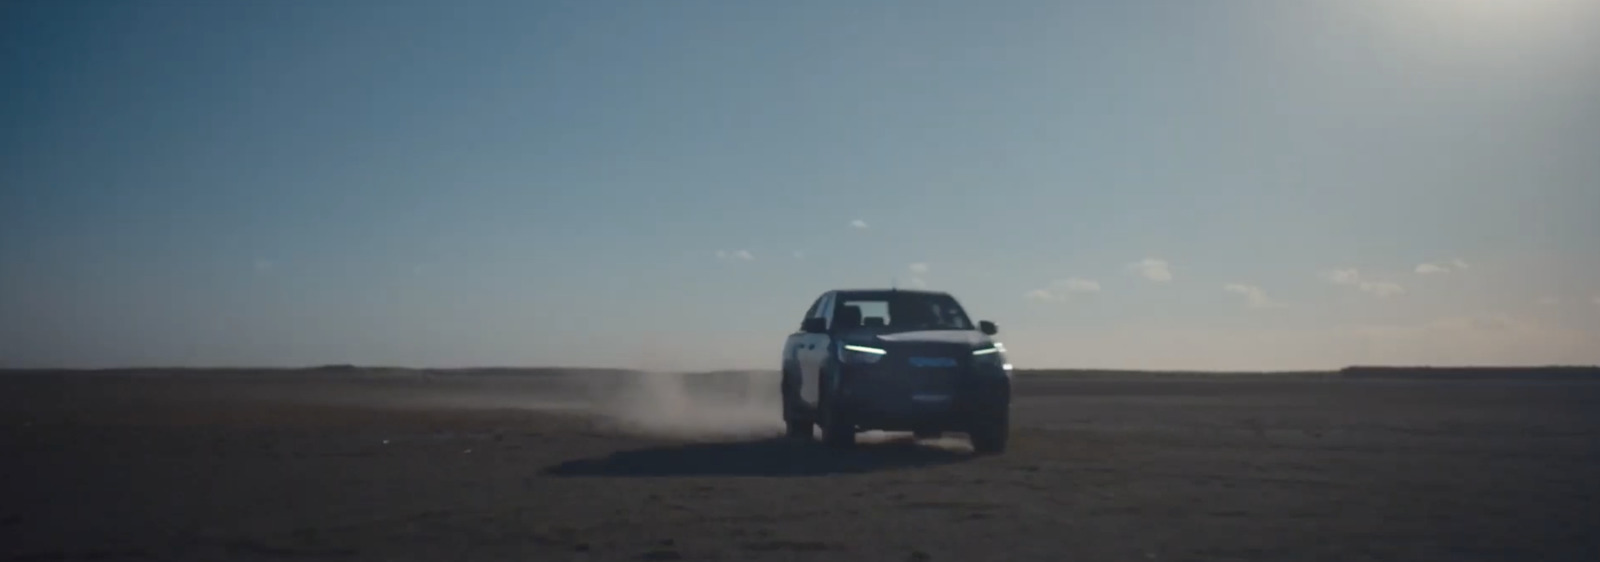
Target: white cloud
[1352, 277]
[1432, 268]
[858, 223]
[741, 255]
[1154, 269]
[263, 264]
[919, 267]
[1343, 276]
[1062, 290]
[918, 282]
[1255, 297]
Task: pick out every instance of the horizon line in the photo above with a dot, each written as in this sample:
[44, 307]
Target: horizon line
[380, 367]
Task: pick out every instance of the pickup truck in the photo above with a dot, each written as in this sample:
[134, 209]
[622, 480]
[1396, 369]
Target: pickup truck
[895, 360]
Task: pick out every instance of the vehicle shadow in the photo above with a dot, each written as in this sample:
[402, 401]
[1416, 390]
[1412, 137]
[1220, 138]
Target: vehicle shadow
[766, 457]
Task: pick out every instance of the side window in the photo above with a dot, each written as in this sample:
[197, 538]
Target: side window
[819, 307]
[812, 312]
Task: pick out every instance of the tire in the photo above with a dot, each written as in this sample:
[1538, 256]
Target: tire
[799, 431]
[990, 436]
[838, 431]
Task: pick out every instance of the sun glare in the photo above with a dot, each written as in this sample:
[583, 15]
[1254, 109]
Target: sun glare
[1497, 34]
[1491, 18]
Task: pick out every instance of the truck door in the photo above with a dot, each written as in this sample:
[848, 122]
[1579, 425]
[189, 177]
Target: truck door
[813, 352]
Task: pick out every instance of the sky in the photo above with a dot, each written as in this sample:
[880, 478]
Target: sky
[1237, 184]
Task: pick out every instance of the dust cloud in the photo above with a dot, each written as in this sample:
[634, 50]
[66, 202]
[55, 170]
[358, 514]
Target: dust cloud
[692, 406]
[735, 404]
[689, 405]
[729, 404]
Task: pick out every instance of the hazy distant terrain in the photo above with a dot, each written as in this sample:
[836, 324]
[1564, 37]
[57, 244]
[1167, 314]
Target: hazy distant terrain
[559, 464]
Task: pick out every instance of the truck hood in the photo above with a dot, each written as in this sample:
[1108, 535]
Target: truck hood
[970, 338]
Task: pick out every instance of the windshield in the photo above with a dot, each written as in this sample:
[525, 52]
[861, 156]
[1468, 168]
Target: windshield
[900, 311]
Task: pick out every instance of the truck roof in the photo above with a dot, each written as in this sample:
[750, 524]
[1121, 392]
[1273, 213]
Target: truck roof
[888, 290]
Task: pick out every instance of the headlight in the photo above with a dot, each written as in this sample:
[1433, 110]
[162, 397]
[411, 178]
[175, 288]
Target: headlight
[991, 357]
[860, 355]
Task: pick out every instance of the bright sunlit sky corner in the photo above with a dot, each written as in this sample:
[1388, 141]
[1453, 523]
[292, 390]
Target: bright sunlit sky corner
[667, 185]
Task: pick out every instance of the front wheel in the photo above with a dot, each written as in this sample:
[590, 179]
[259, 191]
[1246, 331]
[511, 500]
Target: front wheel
[990, 435]
[799, 430]
[838, 430]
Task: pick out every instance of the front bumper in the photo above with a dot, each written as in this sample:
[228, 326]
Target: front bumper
[897, 399]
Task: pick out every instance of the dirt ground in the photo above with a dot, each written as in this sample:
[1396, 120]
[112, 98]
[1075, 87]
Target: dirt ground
[609, 466]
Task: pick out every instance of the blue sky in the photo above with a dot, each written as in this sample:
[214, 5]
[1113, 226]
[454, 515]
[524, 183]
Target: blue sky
[1162, 184]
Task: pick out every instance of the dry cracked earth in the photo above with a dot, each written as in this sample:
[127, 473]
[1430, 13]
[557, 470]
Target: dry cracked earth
[547, 465]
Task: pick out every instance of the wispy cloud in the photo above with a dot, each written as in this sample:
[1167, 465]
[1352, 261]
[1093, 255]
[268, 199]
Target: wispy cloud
[1353, 278]
[799, 255]
[263, 265]
[1435, 268]
[1255, 297]
[918, 267]
[739, 255]
[858, 223]
[1154, 269]
[1548, 301]
[1062, 290]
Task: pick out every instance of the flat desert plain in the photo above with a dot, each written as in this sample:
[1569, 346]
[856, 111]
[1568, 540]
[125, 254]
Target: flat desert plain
[373, 464]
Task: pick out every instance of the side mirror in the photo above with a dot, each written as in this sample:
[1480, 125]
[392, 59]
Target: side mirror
[988, 328]
[814, 325]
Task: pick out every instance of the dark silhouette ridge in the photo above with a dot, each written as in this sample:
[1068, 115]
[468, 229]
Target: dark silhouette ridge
[1474, 373]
